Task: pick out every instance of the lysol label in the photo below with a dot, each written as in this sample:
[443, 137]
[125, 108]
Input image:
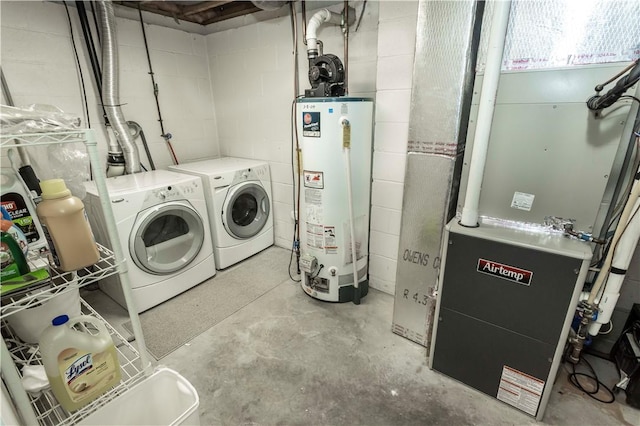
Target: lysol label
[506, 272]
[78, 367]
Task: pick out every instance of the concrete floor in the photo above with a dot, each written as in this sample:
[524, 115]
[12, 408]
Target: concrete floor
[289, 359]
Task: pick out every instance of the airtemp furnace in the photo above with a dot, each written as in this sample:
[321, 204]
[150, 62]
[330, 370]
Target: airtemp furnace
[505, 305]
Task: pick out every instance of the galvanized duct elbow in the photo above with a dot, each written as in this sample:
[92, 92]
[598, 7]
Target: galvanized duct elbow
[110, 87]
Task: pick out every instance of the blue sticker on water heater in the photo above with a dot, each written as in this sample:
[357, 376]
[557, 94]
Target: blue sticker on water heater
[330, 110]
[311, 124]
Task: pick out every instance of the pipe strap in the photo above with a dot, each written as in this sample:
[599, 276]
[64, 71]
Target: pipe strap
[618, 271]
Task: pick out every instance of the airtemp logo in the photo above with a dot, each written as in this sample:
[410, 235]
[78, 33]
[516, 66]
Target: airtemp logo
[511, 273]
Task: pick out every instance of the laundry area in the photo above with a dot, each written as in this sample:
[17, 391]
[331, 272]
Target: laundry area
[320, 212]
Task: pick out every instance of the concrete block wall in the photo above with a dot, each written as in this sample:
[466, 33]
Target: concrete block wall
[40, 67]
[396, 47]
[230, 93]
[252, 75]
[252, 80]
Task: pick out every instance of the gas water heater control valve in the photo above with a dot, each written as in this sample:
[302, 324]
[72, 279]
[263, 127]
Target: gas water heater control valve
[308, 263]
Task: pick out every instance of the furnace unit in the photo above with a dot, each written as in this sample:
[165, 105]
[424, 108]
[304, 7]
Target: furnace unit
[506, 302]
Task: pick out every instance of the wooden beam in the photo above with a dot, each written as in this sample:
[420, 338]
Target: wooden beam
[232, 10]
[203, 6]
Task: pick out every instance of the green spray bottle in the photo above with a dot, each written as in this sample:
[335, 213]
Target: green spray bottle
[12, 261]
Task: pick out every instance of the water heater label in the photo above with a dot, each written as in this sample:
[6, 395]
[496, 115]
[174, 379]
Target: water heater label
[314, 179]
[506, 272]
[330, 245]
[311, 124]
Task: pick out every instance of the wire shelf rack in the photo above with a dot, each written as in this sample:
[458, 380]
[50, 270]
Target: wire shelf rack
[61, 282]
[135, 364]
[47, 409]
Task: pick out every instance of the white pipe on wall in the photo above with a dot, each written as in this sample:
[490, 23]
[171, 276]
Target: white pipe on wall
[617, 236]
[346, 146]
[624, 242]
[621, 261]
[319, 18]
[499, 23]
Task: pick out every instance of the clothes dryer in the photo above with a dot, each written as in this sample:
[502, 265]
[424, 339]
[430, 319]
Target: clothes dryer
[238, 192]
[163, 229]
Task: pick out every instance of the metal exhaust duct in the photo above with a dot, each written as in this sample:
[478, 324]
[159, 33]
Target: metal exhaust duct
[110, 88]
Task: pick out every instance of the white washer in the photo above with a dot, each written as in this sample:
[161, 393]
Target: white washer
[239, 203]
[162, 223]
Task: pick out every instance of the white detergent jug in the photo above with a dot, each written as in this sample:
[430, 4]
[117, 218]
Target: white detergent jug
[80, 360]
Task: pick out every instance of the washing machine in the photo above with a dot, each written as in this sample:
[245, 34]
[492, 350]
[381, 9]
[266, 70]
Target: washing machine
[163, 227]
[238, 193]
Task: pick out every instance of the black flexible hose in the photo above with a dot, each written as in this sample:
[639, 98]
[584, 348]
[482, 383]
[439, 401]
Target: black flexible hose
[595, 383]
[91, 50]
[597, 102]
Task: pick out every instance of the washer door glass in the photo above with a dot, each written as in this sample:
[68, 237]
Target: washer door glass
[246, 210]
[166, 238]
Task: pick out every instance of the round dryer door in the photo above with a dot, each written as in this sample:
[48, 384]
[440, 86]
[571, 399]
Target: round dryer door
[245, 210]
[166, 238]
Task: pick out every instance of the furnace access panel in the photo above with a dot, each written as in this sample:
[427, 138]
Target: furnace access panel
[505, 305]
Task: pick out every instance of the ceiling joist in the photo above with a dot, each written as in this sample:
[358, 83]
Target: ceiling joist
[199, 12]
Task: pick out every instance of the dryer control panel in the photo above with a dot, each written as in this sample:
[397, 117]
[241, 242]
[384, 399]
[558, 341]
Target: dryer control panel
[178, 191]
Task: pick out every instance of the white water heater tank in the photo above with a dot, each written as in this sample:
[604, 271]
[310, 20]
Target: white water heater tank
[325, 224]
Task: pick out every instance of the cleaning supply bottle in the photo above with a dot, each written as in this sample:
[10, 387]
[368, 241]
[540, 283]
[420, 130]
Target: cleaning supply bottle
[12, 261]
[80, 360]
[7, 225]
[66, 227]
[16, 200]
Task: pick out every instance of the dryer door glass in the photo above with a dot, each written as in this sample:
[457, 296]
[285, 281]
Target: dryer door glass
[246, 210]
[166, 238]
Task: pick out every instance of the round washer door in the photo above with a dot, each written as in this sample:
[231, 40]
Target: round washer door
[166, 238]
[245, 210]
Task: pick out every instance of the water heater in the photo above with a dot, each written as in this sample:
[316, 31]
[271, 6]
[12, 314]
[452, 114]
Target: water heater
[335, 137]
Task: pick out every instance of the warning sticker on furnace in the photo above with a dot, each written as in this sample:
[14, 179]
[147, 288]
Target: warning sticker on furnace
[520, 390]
[311, 124]
[522, 201]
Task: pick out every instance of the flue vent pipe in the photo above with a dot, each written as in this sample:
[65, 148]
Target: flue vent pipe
[486, 109]
[319, 18]
[110, 87]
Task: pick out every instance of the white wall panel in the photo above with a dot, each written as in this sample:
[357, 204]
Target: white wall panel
[39, 65]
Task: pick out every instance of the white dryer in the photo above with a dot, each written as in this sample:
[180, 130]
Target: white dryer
[239, 203]
[162, 223]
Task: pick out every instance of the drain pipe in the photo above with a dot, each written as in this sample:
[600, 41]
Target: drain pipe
[614, 269]
[346, 146]
[110, 91]
[486, 109]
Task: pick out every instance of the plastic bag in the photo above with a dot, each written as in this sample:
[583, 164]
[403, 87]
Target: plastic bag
[36, 118]
[68, 161]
